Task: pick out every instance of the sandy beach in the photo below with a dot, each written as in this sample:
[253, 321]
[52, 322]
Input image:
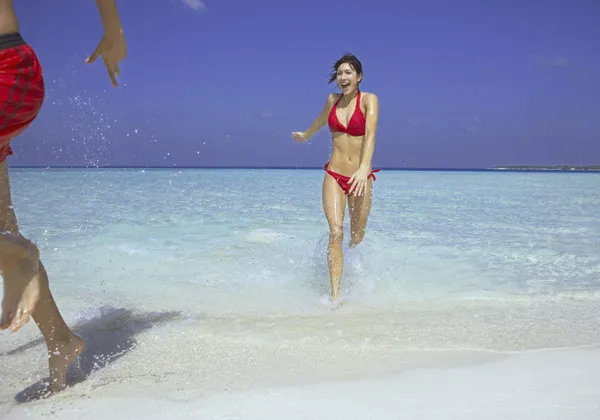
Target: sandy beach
[535, 385]
[159, 366]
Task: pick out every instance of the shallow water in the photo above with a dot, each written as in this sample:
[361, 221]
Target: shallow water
[231, 264]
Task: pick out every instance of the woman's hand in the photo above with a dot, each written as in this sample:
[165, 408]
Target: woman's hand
[358, 182]
[299, 136]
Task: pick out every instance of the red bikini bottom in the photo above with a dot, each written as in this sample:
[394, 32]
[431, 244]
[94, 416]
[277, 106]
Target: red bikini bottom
[342, 180]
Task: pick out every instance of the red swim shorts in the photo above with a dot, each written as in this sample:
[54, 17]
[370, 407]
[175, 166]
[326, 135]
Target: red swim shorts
[21, 89]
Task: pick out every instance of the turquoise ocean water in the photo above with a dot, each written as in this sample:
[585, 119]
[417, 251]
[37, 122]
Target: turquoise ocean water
[173, 258]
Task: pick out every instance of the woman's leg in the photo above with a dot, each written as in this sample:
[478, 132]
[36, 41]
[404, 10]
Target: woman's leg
[334, 205]
[27, 292]
[359, 209]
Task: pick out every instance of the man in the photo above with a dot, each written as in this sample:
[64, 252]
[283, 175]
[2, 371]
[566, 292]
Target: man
[26, 290]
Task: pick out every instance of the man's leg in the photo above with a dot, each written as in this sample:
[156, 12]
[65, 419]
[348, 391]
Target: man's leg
[27, 292]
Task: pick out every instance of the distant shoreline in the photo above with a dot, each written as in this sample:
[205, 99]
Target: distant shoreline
[593, 168]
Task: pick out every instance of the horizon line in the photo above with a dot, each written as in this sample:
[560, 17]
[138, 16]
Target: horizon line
[499, 168]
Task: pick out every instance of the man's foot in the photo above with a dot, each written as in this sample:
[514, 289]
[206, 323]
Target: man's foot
[20, 265]
[60, 356]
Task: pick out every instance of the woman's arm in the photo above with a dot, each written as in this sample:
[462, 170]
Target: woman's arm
[358, 181]
[321, 120]
[370, 131]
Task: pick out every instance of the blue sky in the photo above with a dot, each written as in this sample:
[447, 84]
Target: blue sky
[224, 82]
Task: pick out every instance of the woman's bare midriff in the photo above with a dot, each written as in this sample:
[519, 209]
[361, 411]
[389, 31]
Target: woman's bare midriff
[346, 154]
[8, 20]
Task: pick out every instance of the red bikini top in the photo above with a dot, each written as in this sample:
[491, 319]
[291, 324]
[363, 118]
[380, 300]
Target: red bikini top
[356, 125]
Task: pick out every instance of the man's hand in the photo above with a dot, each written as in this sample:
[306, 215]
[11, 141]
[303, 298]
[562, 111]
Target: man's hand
[113, 49]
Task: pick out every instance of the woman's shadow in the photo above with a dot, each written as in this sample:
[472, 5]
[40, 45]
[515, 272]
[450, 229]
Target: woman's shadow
[108, 336]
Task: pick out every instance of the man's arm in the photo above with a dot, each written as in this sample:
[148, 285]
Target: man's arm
[109, 15]
[112, 46]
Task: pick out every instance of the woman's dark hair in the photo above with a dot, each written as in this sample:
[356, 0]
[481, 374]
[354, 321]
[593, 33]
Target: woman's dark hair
[346, 58]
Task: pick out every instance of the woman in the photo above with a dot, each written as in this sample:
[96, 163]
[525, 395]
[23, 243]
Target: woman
[352, 119]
